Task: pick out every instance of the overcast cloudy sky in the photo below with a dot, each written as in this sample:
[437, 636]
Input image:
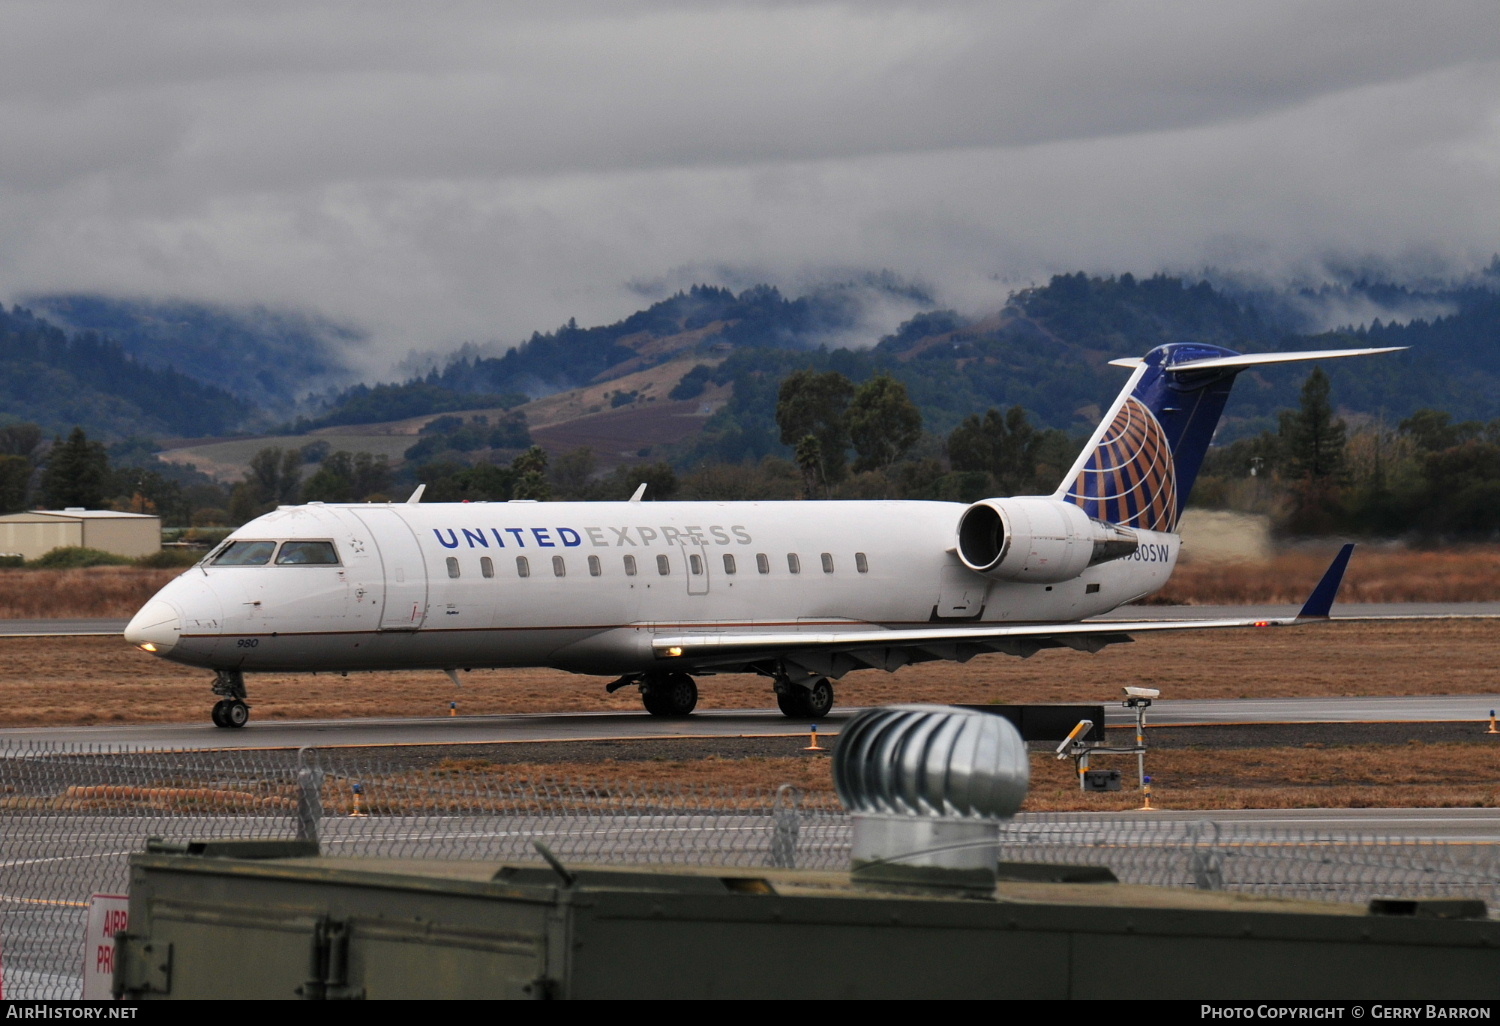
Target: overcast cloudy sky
[443, 171]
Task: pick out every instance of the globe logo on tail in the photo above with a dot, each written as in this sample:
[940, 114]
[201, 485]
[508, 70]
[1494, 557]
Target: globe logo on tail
[1129, 479]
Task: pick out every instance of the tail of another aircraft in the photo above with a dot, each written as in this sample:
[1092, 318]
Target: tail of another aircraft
[1140, 465]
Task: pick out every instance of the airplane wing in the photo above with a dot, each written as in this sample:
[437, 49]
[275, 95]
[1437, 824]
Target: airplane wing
[834, 653]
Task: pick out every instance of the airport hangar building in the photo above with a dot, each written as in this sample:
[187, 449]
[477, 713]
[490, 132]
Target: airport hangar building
[38, 532]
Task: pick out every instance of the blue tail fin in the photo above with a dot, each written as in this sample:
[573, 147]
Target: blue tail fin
[1140, 465]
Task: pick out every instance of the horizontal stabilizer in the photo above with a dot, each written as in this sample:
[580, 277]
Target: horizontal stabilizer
[1320, 602]
[1242, 360]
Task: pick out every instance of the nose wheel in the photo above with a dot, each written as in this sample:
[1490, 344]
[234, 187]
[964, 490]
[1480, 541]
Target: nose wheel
[231, 710]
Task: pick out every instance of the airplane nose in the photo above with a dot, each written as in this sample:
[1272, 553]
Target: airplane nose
[155, 628]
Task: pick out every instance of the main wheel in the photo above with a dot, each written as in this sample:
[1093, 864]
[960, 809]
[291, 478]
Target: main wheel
[217, 715]
[791, 703]
[674, 694]
[236, 713]
[680, 695]
[819, 698]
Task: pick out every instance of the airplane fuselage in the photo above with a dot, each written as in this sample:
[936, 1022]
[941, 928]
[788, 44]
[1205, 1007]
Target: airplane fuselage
[587, 586]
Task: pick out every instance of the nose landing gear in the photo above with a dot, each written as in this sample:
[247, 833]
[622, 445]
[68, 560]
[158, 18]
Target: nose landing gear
[231, 710]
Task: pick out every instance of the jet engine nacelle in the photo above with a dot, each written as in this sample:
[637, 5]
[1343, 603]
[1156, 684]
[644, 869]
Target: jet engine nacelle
[1042, 540]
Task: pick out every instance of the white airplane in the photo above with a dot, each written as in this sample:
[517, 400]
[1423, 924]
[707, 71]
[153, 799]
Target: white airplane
[657, 593]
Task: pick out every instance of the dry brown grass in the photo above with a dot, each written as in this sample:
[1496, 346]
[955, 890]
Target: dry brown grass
[1375, 575]
[108, 592]
[1416, 775]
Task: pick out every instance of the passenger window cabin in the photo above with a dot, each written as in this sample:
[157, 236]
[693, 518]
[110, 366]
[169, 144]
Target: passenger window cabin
[630, 568]
[793, 564]
[486, 566]
[453, 570]
[861, 564]
[762, 563]
[827, 558]
[595, 567]
[559, 567]
[663, 565]
[728, 563]
[523, 567]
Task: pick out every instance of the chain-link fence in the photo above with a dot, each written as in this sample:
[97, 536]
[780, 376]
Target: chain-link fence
[70, 817]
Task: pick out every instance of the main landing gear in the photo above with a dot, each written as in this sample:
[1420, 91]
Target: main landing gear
[669, 694]
[809, 701]
[663, 694]
[230, 710]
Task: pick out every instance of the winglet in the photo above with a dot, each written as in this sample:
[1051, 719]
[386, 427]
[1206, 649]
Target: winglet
[416, 496]
[1320, 602]
[639, 492]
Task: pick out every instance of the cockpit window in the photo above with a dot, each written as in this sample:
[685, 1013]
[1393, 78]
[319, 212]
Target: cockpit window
[307, 553]
[246, 553]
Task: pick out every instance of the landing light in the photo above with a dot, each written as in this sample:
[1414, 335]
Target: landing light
[1262, 623]
[148, 647]
[674, 651]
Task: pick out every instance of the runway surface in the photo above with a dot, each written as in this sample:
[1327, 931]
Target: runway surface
[725, 723]
[1389, 610]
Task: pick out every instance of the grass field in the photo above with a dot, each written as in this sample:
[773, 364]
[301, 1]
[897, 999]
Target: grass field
[1461, 774]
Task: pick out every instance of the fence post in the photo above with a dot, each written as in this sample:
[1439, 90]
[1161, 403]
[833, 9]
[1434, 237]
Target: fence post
[309, 794]
[785, 823]
[1206, 864]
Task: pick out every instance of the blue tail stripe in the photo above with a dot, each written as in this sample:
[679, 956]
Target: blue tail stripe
[1144, 465]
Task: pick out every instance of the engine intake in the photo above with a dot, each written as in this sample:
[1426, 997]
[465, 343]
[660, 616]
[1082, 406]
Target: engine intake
[1043, 540]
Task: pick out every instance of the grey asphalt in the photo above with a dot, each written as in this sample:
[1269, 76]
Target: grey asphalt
[61, 628]
[711, 723]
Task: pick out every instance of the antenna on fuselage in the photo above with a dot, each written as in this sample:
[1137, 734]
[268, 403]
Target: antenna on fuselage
[639, 492]
[416, 496]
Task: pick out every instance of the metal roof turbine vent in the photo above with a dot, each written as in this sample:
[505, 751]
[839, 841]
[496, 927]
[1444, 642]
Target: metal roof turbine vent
[927, 787]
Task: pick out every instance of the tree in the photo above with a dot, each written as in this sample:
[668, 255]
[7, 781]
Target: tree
[531, 475]
[20, 439]
[1314, 445]
[572, 472]
[274, 479]
[810, 462]
[815, 404]
[883, 423]
[1005, 446]
[659, 478]
[275, 476]
[348, 477]
[77, 473]
[15, 475]
[1313, 440]
[1433, 430]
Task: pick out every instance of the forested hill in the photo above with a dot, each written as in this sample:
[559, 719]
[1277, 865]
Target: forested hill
[1047, 350]
[59, 380]
[271, 358]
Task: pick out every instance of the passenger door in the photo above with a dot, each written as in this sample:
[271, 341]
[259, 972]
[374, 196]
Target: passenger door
[405, 570]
